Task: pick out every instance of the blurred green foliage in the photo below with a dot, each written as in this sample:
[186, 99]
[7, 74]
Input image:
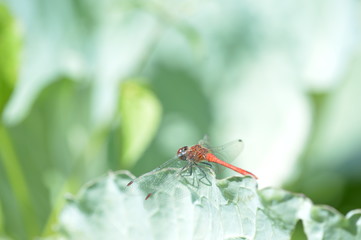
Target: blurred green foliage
[9, 58]
[92, 86]
[140, 113]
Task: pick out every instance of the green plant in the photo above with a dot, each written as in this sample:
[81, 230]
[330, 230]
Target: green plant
[232, 208]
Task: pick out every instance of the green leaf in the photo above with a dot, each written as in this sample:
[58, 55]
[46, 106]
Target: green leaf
[1, 220]
[140, 113]
[13, 174]
[9, 49]
[231, 208]
[33, 179]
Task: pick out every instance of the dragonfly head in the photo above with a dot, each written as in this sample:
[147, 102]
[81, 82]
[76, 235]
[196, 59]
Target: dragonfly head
[181, 153]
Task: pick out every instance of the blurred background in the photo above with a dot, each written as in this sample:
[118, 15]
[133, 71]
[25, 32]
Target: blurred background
[92, 86]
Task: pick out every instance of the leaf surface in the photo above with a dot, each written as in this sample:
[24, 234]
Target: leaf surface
[232, 208]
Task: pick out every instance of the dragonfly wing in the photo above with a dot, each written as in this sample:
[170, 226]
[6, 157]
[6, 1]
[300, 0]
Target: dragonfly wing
[229, 151]
[174, 162]
[157, 181]
[205, 141]
[173, 180]
[160, 179]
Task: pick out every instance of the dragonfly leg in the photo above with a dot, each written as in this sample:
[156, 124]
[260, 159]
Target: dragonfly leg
[189, 172]
[204, 176]
[185, 171]
[208, 164]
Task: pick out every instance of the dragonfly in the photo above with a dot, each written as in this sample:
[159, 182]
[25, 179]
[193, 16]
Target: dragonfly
[188, 162]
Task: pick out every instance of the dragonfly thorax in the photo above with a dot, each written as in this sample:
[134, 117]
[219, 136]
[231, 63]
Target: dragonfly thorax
[195, 153]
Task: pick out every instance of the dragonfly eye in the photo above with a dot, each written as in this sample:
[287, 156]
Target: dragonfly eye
[181, 153]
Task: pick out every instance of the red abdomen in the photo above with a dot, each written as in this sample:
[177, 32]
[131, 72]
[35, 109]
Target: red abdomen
[212, 158]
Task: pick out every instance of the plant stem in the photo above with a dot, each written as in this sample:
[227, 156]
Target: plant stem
[14, 173]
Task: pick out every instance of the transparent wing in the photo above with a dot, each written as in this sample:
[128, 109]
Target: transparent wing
[174, 162]
[162, 178]
[227, 152]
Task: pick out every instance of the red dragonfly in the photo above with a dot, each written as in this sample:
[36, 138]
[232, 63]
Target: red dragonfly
[190, 161]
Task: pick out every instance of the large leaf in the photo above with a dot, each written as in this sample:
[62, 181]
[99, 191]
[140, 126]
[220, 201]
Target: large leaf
[231, 208]
[140, 113]
[32, 179]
